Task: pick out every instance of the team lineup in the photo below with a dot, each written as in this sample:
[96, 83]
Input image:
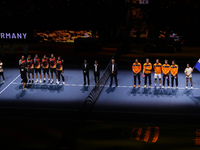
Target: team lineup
[52, 66]
[30, 66]
[166, 69]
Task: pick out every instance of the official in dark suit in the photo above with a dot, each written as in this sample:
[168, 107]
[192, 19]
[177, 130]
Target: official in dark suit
[96, 72]
[113, 72]
[85, 68]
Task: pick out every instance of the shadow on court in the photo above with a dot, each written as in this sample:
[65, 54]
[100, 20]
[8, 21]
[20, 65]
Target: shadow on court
[110, 89]
[154, 92]
[21, 94]
[51, 88]
[1, 84]
[84, 89]
[196, 100]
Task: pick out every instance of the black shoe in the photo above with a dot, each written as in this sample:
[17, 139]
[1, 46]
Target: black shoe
[29, 81]
[32, 81]
[110, 85]
[84, 84]
[116, 85]
[44, 81]
[88, 83]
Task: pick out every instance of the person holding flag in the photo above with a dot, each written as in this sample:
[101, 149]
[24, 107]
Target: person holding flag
[166, 70]
[147, 67]
[174, 74]
[136, 67]
[157, 71]
[188, 72]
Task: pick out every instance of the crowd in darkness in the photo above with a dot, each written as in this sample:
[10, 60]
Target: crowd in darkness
[63, 12]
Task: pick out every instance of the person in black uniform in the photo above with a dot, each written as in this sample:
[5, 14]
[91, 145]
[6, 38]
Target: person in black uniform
[22, 61]
[96, 72]
[60, 70]
[113, 72]
[85, 68]
[23, 71]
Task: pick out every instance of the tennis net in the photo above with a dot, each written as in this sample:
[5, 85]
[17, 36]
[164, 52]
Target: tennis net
[94, 94]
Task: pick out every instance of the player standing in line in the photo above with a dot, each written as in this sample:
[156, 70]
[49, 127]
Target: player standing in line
[30, 65]
[157, 71]
[23, 71]
[174, 74]
[37, 63]
[45, 66]
[188, 72]
[53, 68]
[22, 61]
[147, 67]
[166, 70]
[136, 67]
[60, 70]
[1, 71]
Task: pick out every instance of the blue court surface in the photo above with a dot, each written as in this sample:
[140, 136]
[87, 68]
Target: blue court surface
[122, 98]
[128, 99]
[45, 95]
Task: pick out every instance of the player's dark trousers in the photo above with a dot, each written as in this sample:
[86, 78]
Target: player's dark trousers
[60, 73]
[164, 78]
[135, 77]
[145, 79]
[176, 80]
[96, 77]
[111, 79]
[86, 75]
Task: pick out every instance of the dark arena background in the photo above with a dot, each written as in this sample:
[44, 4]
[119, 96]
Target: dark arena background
[98, 116]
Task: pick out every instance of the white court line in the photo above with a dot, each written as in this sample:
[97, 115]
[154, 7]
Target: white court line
[106, 86]
[9, 84]
[55, 84]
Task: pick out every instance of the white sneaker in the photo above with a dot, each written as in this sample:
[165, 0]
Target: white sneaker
[57, 82]
[63, 83]
[163, 87]
[40, 81]
[4, 81]
[51, 81]
[168, 87]
[177, 87]
[36, 81]
[191, 87]
[24, 88]
[186, 87]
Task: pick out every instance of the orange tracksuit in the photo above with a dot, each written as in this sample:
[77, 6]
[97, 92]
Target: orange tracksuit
[174, 69]
[157, 68]
[166, 68]
[136, 67]
[148, 67]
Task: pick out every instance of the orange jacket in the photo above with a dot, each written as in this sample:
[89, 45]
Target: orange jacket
[147, 68]
[166, 68]
[136, 67]
[157, 68]
[174, 69]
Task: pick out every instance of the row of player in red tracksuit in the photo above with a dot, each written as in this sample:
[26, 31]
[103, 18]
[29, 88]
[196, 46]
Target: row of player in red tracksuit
[47, 64]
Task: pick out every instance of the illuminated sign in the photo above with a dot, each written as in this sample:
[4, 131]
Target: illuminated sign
[13, 35]
[63, 36]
